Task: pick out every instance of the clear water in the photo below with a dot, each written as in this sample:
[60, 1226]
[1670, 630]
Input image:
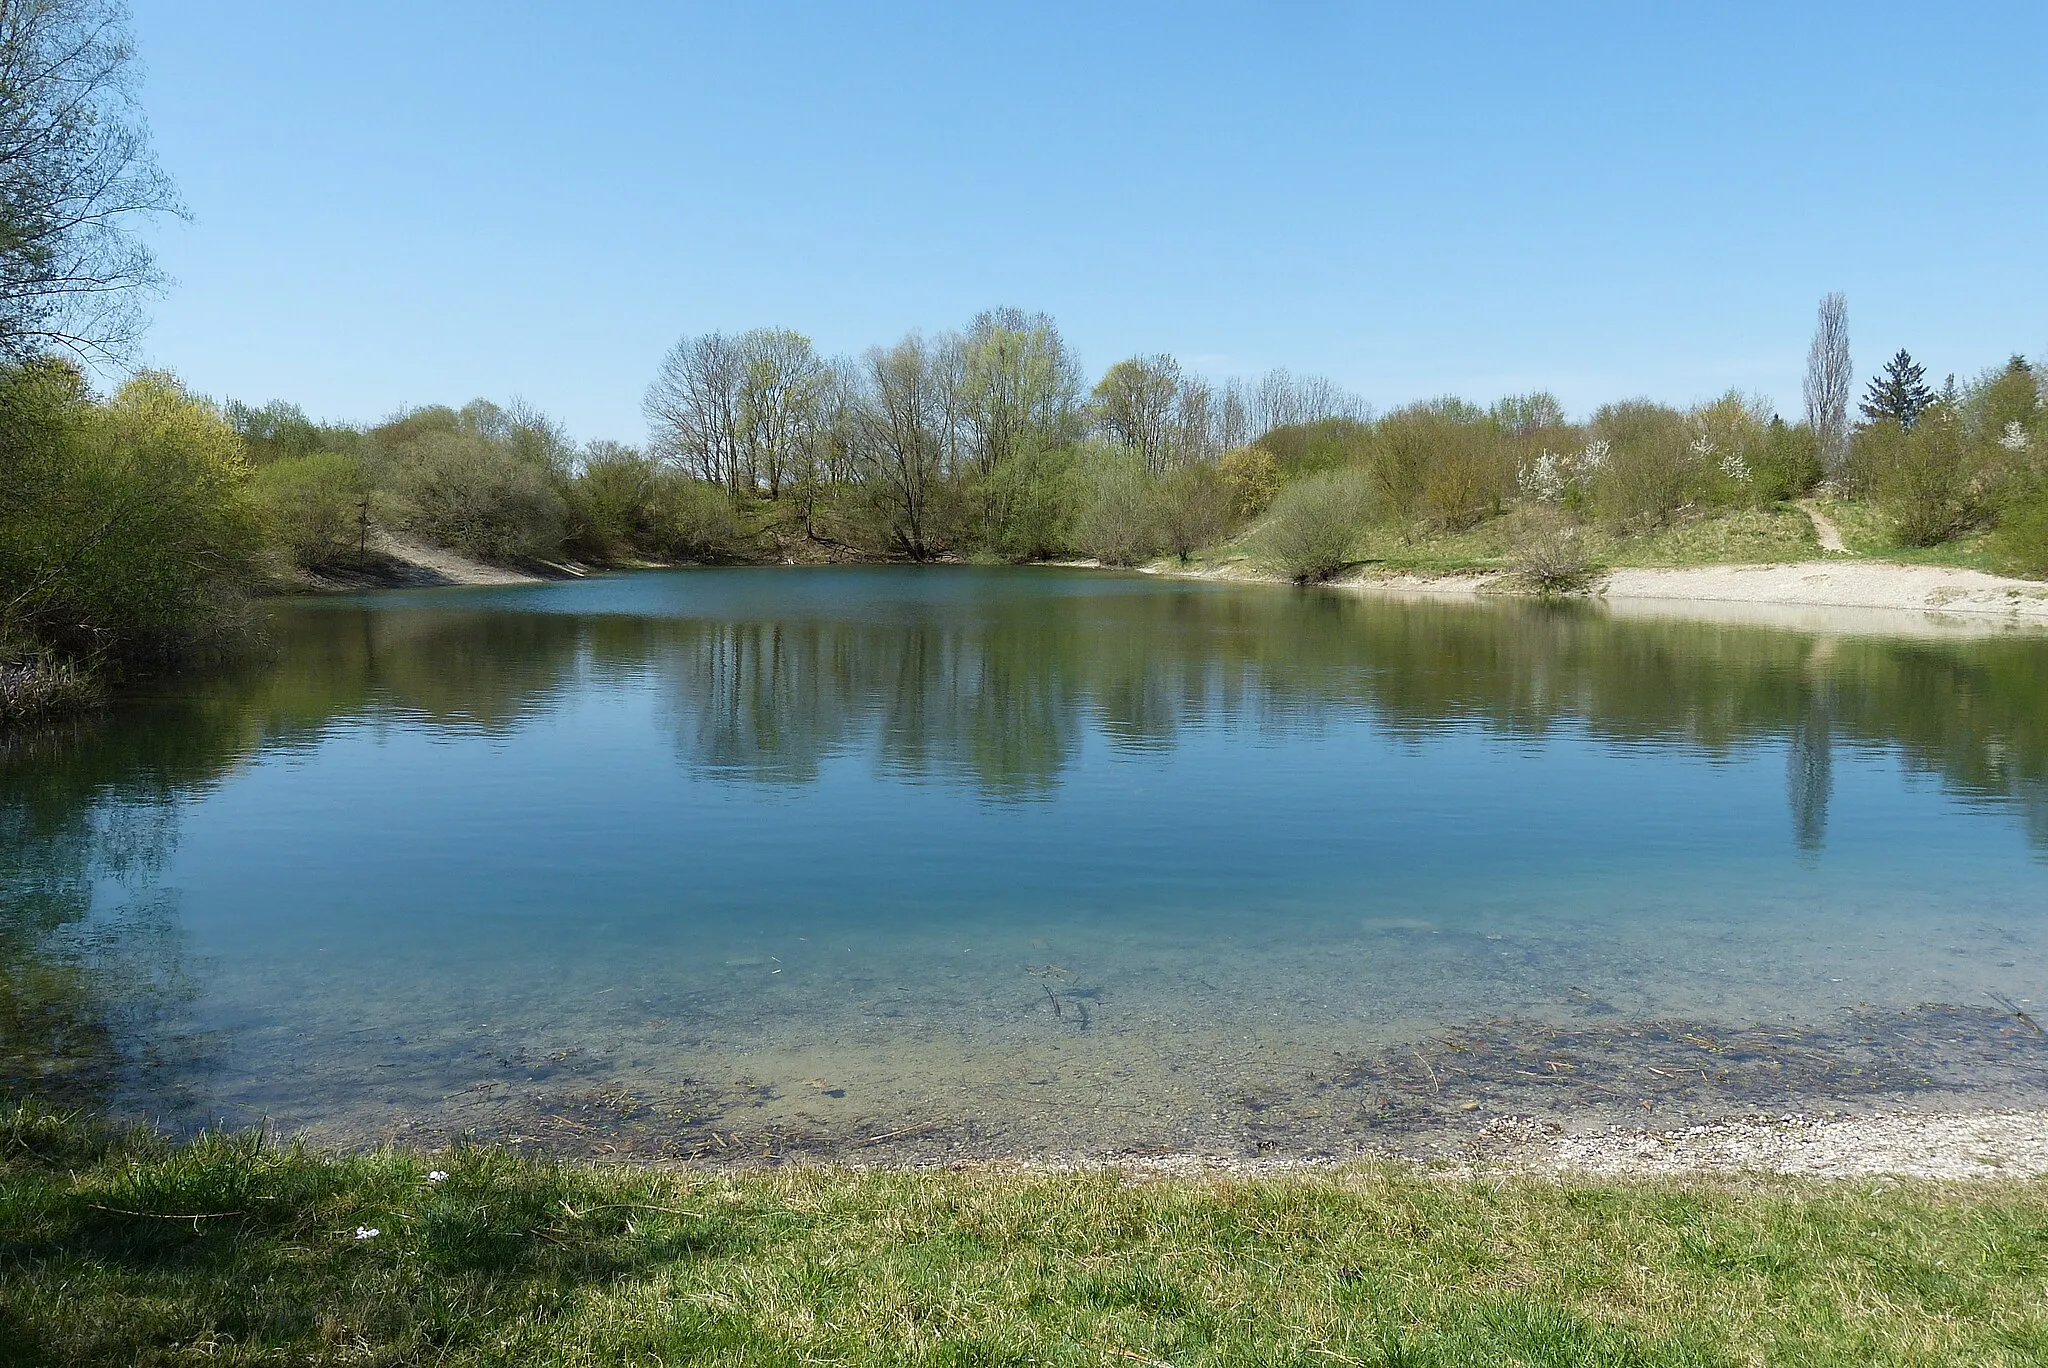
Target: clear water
[760, 861]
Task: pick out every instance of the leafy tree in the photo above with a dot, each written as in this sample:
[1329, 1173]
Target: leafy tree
[1899, 394]
[1135, 405]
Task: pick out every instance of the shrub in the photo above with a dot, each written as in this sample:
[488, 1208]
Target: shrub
[126, 527]
[1191, 509]
[315, 507]
[1786, 462]
[611, 504]
[1648, 467]
[462, 490]
[1027, 506]
[1441, 464]
[1313, 525]
[1549, 555]
[1326, 444]
[2022, 537]
[692, 519]
[1925, 479]
[1116, 523]
[1252, 476]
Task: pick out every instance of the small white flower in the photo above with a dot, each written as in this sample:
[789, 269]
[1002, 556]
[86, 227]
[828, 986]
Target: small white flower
[2014, 438]
[367, 1232]
[437, 1176]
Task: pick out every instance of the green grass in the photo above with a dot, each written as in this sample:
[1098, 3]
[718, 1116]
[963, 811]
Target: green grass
[1868, 532]
[1773, 535]
[123, 1248]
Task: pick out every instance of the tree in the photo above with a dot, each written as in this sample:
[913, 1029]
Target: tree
[1020, 385]
[1900, 393]
[1828, 378]
[693, 407]
[76, 174]
[1136, 407]
[902, 438]
[781, 394]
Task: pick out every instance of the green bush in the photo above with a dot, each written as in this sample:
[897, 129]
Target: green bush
[1026, 506]
[1314, 524]
[1927, 480]
[1785, 463]
[1116, 523]
[316, 507]
[2022, 537]
[460, 489]
[1440, 464]
[126, 527]
[692, 520]
[1648, 467]
[611, 504]
[1327, 444]
[1191, 510]
[1253, 477]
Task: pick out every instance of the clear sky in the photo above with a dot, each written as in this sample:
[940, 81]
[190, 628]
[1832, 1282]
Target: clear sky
[425, 202]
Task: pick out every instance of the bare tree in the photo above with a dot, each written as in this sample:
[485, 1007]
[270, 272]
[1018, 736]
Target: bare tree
[693, 408]
[1829, 378]
[76, 173]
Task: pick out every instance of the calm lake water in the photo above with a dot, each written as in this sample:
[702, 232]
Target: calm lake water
[899, 862]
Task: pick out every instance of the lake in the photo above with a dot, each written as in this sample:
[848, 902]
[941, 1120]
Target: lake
[742, 864]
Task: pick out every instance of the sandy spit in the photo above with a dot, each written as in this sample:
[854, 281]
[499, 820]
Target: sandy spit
[1826, 595]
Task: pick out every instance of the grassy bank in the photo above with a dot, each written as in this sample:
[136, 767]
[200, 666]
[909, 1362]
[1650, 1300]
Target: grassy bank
[123, 1248]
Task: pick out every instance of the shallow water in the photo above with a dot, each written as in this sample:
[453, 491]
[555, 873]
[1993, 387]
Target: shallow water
[768, 861]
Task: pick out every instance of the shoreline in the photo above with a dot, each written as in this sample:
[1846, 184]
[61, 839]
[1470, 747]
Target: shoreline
[1867, 596]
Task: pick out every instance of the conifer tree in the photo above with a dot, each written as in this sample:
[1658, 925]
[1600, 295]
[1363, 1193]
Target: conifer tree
[1900, 393]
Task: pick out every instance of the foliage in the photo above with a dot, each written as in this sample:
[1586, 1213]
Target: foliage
[1927, 479]
[2022, 538]
[1027, 505]
[1252, 476]
[1899, 394]
[126, 527]
[1325, 444]
[1647, 468]
[1135, 406]
[476, 1256]
[1312, 528]
[1191, 510]
[316, 507]
[1116, 523]
[477, 481]
[1786, 462]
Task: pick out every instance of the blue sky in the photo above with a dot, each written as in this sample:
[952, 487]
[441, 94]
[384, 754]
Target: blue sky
[397, 204]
